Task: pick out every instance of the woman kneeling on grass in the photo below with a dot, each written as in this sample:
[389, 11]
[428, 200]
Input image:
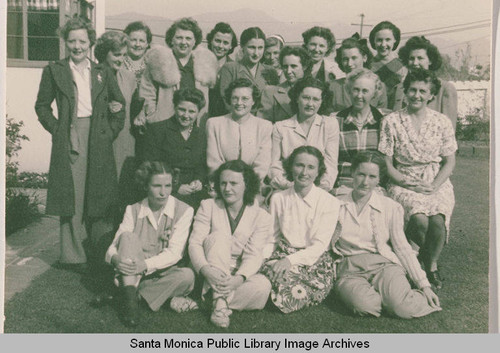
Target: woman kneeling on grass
[229, 234]
[300, 267]
[149, 244]
[375, 253]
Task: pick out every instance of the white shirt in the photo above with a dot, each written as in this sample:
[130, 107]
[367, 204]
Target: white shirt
[177, 242]
[306, 223]
[83, 86]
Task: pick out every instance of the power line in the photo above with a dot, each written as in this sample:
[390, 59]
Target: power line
[459, 25]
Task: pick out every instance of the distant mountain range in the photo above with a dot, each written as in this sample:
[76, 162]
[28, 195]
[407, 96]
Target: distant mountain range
[291, 31]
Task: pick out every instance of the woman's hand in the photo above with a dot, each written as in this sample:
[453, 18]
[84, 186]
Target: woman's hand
[196, 185]
[423, 188]
[229, 284]
[280, 268]
[213, 276]
[185, 189]
[128, 267]
[115, 107]
[280, 183]
[432, 297]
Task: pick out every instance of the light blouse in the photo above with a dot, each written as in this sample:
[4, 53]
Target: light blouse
[378, 229]
[305, 223]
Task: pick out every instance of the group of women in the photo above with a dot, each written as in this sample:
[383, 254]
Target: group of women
[259, 173]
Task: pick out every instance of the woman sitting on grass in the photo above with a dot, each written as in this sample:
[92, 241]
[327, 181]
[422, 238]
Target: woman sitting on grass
[226, 244]
[300, 267]
[376, 256]
[149, 244]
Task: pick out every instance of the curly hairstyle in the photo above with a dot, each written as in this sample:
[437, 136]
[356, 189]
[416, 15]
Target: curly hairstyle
[76, 23]
[322, 32]
[148, 169]
[109, 41]
[313, 151]
[415, 43]
[222, 27]
[251, 33]
[301, 53]
[193, 95]
[251, 179]
[309, 81]
[139, 26]
[240, 83]
[186, 24]
[422, 75]
[355, 42]
[386, 25]
[363, 72]
[374, 157]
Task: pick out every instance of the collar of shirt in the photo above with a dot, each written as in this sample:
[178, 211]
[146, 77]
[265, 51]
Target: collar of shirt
[73, 66]
[370, 120]
[312, 196]
[293, 122]
[145, 211]
[374, 202]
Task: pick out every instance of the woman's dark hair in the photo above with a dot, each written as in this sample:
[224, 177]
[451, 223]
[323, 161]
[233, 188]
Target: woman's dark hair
[374, 157]
[251, 33]
[313, 151]
[355, 42]
[109, 41]
[147, 169]
[309, 81]
[240, 83]
[251, 179]
[139, 26]
[224, 28]
[193, 95]
[186, 24]
[386, 25]
[422, 75]
[415, 43]
[322, 32]
[301, 53]
[76, 23]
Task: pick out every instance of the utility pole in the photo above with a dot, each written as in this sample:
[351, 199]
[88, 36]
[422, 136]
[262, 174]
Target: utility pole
[361, 25]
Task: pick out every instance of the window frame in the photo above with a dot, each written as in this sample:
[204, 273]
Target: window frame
[67, 9]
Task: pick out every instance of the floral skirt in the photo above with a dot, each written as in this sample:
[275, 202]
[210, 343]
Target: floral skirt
[302, 286]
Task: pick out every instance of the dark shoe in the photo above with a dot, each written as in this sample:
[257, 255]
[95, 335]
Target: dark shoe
[80, 268]
[130, 316]
[435, 279]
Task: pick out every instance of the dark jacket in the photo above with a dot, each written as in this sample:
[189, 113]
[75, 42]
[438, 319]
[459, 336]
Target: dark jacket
[164, 142]
[101, 187]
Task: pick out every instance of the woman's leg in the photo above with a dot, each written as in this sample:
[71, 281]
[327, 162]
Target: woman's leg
[436, 237]
[417, 229]
[359, 295]
[398, 297]
[252, 294]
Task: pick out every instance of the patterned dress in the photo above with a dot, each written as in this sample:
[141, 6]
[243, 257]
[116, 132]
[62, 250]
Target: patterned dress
[417, 155]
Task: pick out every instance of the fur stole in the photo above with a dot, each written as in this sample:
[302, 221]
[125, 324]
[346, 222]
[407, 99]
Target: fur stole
[163, 68]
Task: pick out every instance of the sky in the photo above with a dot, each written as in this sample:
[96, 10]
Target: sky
[410, 15]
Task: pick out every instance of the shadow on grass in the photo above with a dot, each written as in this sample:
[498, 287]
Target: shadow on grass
[58, 301]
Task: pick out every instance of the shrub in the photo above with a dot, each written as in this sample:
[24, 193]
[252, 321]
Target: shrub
[20, 210]
[12, 146]
[473, 128]
[29, 180]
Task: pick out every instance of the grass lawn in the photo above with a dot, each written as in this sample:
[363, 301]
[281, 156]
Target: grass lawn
[57, 301]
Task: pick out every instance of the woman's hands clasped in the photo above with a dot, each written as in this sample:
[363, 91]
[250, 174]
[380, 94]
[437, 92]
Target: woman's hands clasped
[219, 281]
[280, 268]
[128, 267]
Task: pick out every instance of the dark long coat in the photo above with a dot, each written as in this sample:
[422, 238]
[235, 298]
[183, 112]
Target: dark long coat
[101, 185]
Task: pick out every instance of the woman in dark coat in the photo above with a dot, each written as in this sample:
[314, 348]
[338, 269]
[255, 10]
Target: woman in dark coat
[181, 144]
[82, 176]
